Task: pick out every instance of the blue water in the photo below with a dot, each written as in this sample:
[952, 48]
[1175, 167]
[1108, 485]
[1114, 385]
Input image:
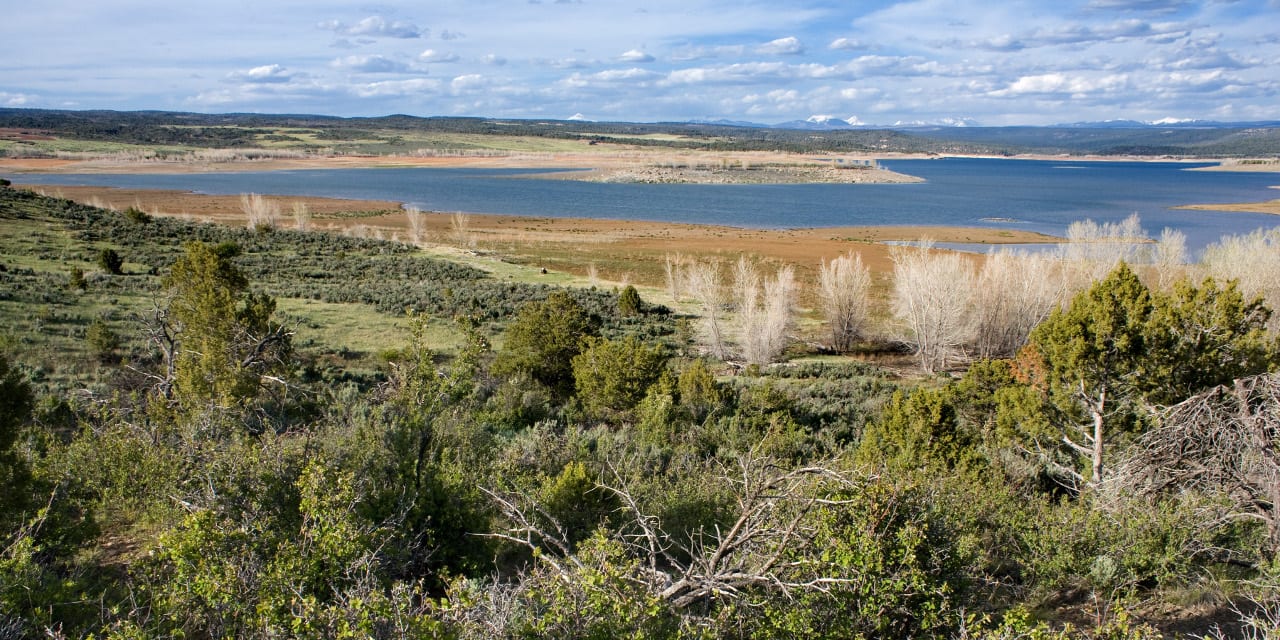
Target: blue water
[1043, 196]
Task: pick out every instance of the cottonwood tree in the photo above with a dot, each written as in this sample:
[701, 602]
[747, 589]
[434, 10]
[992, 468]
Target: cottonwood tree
[764, 314]
[1014, 293]
[260, 213]
[1253, 260]
[932, 294]
[705, 287]
[1094, 249]
[843, 284]
[417, 225]
[1224, 441]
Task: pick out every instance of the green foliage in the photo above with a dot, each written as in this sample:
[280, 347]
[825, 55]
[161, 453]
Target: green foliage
[16, 402]
[102, 341]
[226, 338]
[110, 261]
[576, 503]
[629, 303]
[136, 215]
[599, 602]
[1200, 337]
[612, 376]
[919, 430]
[75, 279]
[700, 395]
[543, 339]
[897, 573]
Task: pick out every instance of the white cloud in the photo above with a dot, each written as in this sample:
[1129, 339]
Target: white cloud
[375, 27]
[1061, 83]
[493, 59]
[635, 56]
[268, 73]
[847, 44]
[15, 99]
[787, 46]
[578, 117]
[468, 83]
[368, 64]
[397, 88]
[433, 57]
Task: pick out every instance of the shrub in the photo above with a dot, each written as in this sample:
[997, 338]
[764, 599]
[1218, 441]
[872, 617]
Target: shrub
[110, 261]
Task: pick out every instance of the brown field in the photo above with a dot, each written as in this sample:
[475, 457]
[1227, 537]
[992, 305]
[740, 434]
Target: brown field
[621, 251]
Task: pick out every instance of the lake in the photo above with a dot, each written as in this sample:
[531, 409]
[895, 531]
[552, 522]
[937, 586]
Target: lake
[1034, 195]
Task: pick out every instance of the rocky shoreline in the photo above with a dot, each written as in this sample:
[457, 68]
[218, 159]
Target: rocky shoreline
[764, 174]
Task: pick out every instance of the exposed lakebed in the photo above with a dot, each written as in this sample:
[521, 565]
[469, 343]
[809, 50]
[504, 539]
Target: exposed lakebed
[1032, 195]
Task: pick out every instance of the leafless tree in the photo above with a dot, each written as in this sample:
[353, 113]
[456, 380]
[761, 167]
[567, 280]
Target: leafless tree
[1094, 249]
[1253, 260]
[259, 211]
[301, 216]
[673, 266]
[932, 294]
[460, 229]
[1014, 293]
[764, 314]
[843, 284]
[1224, 440]
[704, 286]
[417, 226]
[1168, 258]
[762, 548]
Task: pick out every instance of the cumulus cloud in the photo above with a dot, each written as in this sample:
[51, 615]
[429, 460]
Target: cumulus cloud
[265, 74]
[468, 83]
[368, 64]
[493, 59]
[847, 44]
[635, 56]
[375, 27]
[787, 46]
[1061, 84]
[432, 56]
[15, 99]
[397, 88]
[1148, 6]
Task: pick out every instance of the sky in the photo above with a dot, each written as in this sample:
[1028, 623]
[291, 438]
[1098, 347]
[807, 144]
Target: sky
[875, 62]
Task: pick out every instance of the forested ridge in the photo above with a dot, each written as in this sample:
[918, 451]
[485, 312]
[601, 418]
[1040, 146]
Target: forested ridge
[181, 458]
[389, 134]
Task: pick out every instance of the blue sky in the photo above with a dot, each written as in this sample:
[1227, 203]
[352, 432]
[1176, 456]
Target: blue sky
[875, 62]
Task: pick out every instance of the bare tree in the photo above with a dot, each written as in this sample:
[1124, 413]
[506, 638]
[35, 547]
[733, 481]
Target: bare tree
[703, 280]
[1094, 249]
[843, 284]
[1253, 260]
[1168, 258]
[931, 298]
[1015, 291]
[301, 216]
[460, 229]
[1224, 440]
[673, 267]
[417, 226]
[259, 211]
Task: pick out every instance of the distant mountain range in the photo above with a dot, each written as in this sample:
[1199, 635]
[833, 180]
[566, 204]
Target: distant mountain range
[819, 133]
[832, 123]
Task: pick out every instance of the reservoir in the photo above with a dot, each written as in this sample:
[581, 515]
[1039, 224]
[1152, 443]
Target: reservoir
[1035, 195]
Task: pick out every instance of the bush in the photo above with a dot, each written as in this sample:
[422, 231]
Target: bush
[110, 261]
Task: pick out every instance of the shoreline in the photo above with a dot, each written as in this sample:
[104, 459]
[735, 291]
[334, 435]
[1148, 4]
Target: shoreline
[617, 250]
